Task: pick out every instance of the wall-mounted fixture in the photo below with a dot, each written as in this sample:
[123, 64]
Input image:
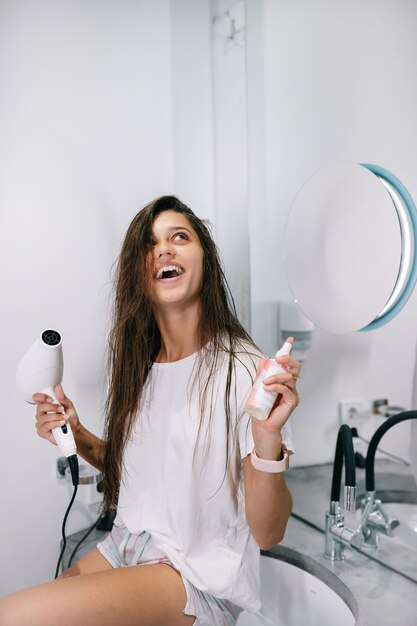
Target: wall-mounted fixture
[293, 323]
[350, 247]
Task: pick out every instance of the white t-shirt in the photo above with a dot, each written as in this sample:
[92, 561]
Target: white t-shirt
[197, 517]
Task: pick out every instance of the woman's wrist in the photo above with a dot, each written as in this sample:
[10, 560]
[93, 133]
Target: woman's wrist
[269, 448]
[77, 430]
[270, 466]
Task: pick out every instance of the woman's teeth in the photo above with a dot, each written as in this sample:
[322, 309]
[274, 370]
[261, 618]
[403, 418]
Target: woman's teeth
[169, 271]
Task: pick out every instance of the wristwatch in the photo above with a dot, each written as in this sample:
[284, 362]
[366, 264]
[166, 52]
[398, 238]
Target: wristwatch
[273, 467]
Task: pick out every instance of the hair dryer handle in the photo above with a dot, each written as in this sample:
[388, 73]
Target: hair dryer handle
[65, 439]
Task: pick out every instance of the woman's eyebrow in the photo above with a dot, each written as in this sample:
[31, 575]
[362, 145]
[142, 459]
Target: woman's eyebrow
[171, 228]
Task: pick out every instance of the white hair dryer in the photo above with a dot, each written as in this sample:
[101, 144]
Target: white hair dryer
[39, 371]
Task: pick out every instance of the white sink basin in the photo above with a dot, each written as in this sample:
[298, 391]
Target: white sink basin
[292, 596]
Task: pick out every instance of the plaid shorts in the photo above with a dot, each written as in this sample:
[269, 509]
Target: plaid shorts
[121, 549]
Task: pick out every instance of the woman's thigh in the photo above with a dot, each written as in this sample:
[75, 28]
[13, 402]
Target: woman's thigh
[148, 595]
[93, 562]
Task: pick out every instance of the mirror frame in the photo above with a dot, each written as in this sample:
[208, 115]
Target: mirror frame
[410, 207]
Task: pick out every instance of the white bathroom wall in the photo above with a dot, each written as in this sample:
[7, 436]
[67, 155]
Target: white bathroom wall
[329, 82]
[109, 103]
[101, 111]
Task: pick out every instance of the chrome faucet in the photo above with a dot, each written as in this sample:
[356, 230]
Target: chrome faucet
[374, 520]
[337, 534]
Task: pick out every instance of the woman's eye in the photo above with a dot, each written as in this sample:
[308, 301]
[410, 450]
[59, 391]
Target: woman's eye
[180, 236]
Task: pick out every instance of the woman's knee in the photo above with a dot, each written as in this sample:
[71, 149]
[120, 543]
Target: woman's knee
[10, 612]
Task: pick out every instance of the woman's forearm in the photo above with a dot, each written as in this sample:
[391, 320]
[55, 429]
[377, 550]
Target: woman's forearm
[268, 501]
[268, 508]
[90, 447]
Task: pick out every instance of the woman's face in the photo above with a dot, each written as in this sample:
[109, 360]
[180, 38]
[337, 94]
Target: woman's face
[177, 261]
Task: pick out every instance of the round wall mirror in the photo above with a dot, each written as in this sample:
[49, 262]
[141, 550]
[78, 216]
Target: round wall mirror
[350, 247]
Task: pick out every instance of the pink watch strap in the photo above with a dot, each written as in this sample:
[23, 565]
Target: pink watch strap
[273, 467]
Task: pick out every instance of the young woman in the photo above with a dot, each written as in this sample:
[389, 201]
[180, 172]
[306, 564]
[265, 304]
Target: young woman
[194, 506]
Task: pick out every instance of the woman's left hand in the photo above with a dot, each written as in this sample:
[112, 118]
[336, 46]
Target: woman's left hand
[287, 400]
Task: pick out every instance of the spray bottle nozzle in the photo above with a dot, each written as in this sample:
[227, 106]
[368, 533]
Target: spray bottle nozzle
[285, 350]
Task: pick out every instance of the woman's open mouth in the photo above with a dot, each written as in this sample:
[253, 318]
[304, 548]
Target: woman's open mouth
[168, 272]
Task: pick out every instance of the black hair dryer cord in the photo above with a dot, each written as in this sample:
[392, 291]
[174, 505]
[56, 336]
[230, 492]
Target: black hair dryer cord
[75, 475]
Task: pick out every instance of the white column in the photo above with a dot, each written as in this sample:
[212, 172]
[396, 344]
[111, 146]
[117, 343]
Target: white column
[230, 131]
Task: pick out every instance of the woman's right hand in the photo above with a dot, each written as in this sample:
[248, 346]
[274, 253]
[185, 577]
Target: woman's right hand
[49, 415]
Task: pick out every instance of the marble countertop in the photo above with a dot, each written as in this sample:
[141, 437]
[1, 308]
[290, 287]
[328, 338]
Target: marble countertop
[376, 594]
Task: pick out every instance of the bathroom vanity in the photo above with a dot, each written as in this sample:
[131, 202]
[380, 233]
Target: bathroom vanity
[380, 587]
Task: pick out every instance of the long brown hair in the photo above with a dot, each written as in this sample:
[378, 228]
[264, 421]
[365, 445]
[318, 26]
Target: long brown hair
[135, 340]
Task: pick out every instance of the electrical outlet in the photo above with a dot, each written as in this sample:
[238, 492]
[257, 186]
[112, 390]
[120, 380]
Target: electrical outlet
[350, 411]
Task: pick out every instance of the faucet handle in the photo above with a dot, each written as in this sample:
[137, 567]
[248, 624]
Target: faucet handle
[357, 540]
[358, 536]
[381, 521]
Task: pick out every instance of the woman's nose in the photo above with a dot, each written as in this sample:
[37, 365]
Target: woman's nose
[164, 251]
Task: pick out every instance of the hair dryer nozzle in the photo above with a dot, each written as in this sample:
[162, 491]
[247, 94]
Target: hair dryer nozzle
[51, 337]
[42, 367]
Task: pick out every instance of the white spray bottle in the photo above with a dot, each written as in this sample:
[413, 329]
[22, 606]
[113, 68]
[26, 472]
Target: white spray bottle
[260, 402]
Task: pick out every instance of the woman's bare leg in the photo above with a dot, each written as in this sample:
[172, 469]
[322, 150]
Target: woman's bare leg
[92, 562]
[145, 595]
